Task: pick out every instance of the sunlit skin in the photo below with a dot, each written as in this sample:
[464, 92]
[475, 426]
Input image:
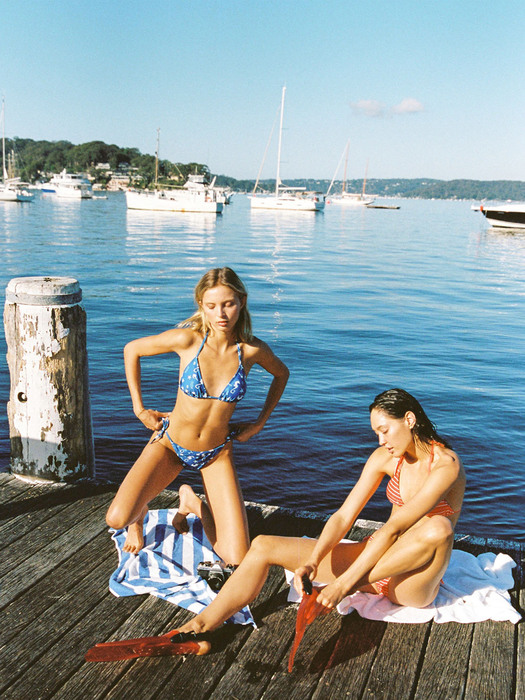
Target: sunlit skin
[410, 547]
[197, 424]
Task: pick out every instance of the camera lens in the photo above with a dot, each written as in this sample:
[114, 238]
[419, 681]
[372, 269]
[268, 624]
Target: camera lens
[215, 581]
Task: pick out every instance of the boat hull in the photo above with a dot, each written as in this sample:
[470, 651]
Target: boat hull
[170, 201]
[357, 201]
[505, 216]
[14, 195]
[288, 204]
[72, 193]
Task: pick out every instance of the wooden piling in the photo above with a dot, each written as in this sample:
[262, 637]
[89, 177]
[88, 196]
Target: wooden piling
[49, 405]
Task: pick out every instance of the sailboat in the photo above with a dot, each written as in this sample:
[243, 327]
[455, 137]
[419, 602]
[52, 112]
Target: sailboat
[196, 196]
[352, 199]
[287, 198]
[10, 188]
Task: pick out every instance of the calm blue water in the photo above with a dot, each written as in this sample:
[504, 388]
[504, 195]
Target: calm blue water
[354, 302]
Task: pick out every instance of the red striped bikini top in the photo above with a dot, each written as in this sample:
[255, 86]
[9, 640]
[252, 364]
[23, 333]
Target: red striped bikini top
[394, 496]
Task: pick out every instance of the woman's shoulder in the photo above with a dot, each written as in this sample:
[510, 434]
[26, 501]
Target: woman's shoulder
[447, 458]
[382, 461]
[255, 346]
[182, 338]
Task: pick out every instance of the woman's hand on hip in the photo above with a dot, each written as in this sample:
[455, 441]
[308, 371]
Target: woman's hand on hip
[151, 419]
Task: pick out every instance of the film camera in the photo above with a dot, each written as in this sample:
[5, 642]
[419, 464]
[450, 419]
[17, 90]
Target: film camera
[215, 573]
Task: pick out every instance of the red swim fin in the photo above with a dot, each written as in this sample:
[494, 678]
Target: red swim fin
[183, 643]
[308, 610]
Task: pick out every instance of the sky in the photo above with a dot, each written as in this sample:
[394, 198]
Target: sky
[420, 88]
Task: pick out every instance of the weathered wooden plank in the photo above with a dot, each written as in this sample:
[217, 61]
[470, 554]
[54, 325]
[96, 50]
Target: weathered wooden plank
[39, 598]
[228, 644]
[53, 668]
[10, 488]
[57, 527]
[491, 668]
[382, 683]
[39, 562]
[54, 616]
[32, 509]
[263, 653]
[520, 631]
[48, 629]
[348, 668]
[445, 666]
[132, 678]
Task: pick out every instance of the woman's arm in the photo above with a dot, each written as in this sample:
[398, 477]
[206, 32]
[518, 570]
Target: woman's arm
[170, 341]
[443, 476]
[265, 357]
[342, 520]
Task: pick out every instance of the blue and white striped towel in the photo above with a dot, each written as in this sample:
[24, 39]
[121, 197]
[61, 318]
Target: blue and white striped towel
[166, 567]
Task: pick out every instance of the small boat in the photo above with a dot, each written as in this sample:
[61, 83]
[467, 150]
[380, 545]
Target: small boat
[195, 196]
[511, 215]
[286, 198]
[11, 188]
[383, 206]
[349, 199]
[70, 186]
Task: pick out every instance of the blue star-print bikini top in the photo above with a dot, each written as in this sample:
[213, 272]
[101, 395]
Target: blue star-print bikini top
[191, 382]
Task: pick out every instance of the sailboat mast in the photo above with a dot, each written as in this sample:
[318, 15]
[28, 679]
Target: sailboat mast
[346, 164]
[157, 160]
[364, 181]
[4, 174]
[278, 179]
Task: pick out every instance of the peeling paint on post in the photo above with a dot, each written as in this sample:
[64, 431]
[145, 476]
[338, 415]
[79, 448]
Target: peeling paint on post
[49, 406]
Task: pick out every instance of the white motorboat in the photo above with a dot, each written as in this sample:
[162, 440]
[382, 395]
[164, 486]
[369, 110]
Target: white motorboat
[349, 199]
[196, 195]
[11, 188]
[511, 215]
[71, 186]
[173, 200]
[286, 198]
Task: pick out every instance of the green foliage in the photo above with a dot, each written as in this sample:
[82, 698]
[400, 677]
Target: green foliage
[40, 159]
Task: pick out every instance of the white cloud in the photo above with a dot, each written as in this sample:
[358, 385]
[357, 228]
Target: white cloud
[374, 108]
[408, 105]
[370, 108]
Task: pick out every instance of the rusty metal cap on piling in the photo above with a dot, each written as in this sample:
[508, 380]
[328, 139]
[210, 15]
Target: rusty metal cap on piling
[43, 291]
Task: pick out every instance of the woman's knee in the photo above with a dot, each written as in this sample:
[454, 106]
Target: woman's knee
[262, 546]
[439, 531]
[117, 517]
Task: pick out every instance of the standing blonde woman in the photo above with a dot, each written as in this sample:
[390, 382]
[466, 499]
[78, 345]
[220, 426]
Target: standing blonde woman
[216, 350]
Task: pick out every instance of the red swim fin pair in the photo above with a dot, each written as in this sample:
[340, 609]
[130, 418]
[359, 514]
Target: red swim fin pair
[172, 643]
[308, 610]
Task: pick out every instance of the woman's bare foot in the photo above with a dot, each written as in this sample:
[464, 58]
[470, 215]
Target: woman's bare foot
[189, 502]
[135, 537]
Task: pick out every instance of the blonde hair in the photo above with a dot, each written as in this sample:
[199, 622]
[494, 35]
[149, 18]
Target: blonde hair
[213, 278]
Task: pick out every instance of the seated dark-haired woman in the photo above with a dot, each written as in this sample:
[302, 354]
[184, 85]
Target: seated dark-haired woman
[404, 559]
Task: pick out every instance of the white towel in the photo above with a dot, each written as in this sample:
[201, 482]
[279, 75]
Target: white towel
[473, 589]
[166, 567]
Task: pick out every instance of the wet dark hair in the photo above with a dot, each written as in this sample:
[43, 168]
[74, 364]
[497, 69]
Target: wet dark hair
[396, 403]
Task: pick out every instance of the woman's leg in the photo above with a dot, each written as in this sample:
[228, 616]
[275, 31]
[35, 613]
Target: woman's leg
[153, 471]
[224, 520]
[189, 502]
[416, 563]
[246, 582]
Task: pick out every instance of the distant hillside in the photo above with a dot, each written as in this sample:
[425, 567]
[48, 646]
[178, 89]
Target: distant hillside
[37, 159]
[422, 188]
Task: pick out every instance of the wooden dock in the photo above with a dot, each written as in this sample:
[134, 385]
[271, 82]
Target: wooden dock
[55, 604]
